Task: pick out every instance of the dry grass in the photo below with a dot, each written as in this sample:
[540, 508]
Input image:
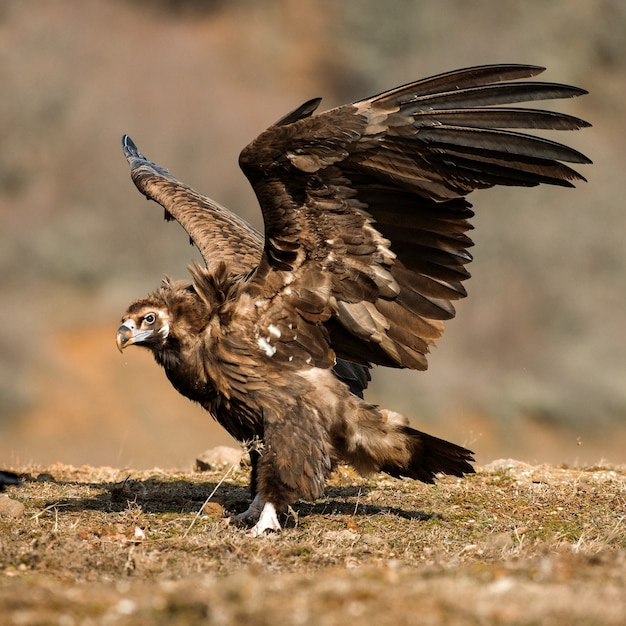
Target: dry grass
[514, 544]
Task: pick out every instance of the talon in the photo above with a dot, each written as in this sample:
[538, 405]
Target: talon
[253, 512]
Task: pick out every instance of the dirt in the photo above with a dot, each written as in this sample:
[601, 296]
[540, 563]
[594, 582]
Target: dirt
[513, 544]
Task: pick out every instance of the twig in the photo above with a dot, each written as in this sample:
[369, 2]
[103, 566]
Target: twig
[50, 507]
[199, 512]
[356, 506]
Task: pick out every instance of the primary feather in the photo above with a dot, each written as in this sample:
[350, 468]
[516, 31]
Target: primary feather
[364, 251]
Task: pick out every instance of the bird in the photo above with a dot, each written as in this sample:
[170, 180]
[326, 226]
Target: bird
[364, 251]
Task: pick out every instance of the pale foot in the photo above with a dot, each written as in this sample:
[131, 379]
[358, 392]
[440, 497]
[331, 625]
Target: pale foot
[267, 521]
[263, 513]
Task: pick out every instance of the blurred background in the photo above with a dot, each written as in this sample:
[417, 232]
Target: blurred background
[534, 365]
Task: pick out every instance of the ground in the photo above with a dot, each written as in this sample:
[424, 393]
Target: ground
[513, 544]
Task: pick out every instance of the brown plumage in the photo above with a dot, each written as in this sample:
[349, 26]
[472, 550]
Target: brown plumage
[365, 248]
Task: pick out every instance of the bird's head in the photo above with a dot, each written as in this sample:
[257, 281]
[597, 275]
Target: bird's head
[165, 321]
[145, 323]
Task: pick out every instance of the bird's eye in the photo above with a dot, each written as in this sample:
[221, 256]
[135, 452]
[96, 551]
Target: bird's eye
[149, 319]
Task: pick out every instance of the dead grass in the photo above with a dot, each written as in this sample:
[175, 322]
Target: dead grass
[514, 544]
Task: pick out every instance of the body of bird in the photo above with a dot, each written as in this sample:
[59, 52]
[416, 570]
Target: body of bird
[364, 250]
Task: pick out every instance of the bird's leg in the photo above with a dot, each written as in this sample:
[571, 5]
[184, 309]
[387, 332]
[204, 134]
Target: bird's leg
[253, 512]
[268, 520]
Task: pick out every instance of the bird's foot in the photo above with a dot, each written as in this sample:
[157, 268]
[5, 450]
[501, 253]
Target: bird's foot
[268, 520]
[264, 513]
[252, 513]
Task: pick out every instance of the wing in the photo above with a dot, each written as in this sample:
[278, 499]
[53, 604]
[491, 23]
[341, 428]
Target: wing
[220, 235]
[365, 213]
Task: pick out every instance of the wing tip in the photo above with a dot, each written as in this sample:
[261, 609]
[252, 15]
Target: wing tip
[129, 148]
[303, 111]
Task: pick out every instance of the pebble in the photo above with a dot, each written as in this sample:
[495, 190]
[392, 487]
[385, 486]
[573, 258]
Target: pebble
[213, 509]
[219, 457]
[11, 508]
[45, 477]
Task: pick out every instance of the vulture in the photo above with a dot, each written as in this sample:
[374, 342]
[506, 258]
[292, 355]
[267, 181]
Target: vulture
[364, 251]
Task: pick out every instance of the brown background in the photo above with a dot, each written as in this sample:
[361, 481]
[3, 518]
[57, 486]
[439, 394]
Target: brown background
[533, 367]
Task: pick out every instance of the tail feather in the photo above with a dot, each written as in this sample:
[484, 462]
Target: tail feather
[430, 456]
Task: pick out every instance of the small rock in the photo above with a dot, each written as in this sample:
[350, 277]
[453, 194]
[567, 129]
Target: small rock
[218, 458]
[11, 508]
[501, 465]
[139, 534]
[213, 509]
[45, 477]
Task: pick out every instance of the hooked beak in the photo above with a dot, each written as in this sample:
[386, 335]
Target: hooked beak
[128, 334]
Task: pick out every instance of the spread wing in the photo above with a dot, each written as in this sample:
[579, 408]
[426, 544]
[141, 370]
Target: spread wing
[365, 213]
[366, 220]
[219, 234]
